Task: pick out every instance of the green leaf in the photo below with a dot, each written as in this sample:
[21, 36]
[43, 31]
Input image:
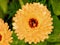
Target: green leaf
[15, 39]
[4, 5]
[40, 43]
[12, 8]
[21, 3]
[56, 6]
[21, 42]
[43, 1]
[1, 14]
[55, 36]
[57, 44]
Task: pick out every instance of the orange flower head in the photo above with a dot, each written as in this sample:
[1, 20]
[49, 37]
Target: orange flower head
[33, 23]
[5, 33]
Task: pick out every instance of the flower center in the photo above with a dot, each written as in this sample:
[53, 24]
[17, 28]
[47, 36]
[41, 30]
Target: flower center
[0, 37]
[33, 23]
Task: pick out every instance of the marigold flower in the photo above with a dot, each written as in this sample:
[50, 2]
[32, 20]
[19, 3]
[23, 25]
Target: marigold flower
[5, 33]
[33, 23]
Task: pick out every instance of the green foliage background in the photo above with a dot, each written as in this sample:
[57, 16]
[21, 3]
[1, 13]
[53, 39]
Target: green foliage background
[9, 7]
